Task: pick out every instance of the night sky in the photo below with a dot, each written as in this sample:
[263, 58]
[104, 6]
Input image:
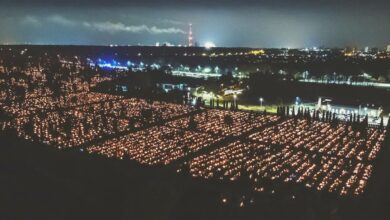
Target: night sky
[227, 23]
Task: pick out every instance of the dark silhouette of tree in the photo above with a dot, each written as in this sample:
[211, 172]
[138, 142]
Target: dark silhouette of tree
[381, 124]
[20, 93]
[228, 120]
[192, 124]
[227, 79]
[146, 115]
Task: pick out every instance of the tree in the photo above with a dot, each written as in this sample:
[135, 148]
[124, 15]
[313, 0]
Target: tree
[20, 93]
[228, 120]
[227, 79]
[381, 125]
[192, 124]
[146, 115]
[388, 125]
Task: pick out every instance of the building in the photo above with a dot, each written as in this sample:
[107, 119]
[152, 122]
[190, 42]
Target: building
[349, 51]
[203, 75]
[344, 112]
[167, 87]
[388, 48]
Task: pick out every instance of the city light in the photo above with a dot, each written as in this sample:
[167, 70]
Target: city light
[261, 101]
[209, 45]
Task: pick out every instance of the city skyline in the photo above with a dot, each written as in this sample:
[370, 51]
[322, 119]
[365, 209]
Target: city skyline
[262, 24]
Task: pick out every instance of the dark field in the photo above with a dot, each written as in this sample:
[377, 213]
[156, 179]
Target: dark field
[38, 182]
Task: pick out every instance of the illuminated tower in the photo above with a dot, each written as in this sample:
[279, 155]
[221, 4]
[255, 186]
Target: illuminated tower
[190, 38]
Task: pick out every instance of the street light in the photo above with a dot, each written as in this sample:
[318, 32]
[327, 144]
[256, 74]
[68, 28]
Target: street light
[261, 101]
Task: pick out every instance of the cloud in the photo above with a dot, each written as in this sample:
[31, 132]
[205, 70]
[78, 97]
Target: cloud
[172, 22]
[107, 26]
[112, 27]
[31, 20]
[58, 19]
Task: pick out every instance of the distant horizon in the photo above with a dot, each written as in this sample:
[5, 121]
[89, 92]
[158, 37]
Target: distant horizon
[185, 46]
[225, 23]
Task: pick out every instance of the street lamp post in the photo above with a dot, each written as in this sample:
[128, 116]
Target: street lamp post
[235, 100]
[261, 102]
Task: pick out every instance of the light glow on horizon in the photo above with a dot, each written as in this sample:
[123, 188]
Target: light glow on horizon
[209, 45]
